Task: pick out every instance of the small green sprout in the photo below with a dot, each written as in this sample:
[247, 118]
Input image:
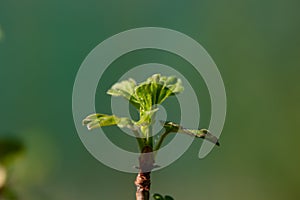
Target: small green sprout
[145, 97]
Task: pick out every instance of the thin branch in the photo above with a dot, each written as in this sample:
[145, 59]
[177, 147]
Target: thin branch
[176, 128]
[161, 139]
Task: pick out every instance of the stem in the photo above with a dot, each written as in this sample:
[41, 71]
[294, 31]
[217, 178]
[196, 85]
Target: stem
[161, 139]
[143, 181]
[150, 138]
[139, 139]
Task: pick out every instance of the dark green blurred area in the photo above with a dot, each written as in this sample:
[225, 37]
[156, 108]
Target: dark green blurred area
[255, 44]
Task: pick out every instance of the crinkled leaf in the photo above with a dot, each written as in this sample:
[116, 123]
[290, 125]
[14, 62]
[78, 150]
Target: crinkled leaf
[127, 123]
[156, 89]
[98, 120]
[125, 89]
[145, 95]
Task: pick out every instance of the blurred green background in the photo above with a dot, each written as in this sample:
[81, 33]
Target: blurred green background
[255, 44]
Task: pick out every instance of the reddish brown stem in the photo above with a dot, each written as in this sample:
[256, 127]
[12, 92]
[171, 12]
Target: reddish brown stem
[143, 183]
[143, 180]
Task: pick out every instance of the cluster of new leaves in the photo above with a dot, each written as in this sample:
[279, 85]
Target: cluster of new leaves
[151, 92]
[144, 96]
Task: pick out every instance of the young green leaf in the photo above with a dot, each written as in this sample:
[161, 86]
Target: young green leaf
[202, 133]
[98, 120]
[125, 89]
[157, 89]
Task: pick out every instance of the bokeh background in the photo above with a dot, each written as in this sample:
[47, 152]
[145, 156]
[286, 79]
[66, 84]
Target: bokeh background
[255, 44]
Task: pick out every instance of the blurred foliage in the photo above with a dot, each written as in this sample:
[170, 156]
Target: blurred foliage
[6, 193]
[9, 148]
[160, 197]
